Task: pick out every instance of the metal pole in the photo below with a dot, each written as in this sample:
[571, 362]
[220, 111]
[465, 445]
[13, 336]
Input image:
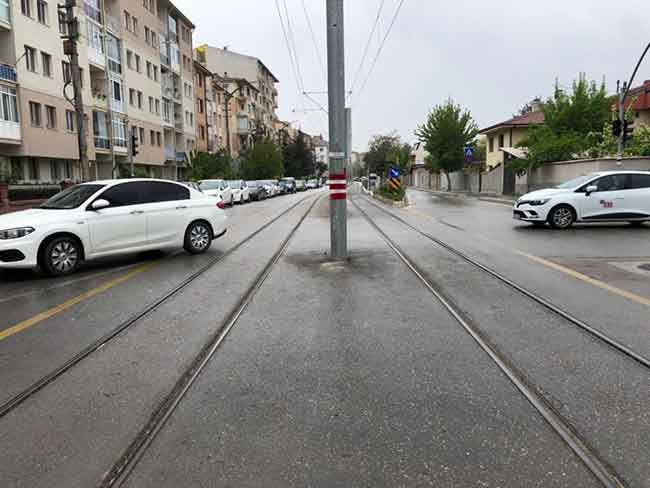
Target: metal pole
[226, 97]
[621, 116]
[336, 92]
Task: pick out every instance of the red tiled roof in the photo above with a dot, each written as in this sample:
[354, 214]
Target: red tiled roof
[531, 118]
[642, 95]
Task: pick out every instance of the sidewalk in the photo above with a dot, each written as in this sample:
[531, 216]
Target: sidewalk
[505, 200]
[352, 375]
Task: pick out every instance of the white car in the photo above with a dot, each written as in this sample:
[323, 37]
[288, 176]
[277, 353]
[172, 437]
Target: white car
[611, 196]
[217, 188]
[240, 191]
[105, 218]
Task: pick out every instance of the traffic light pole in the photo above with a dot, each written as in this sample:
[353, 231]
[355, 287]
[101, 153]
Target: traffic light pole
[337, 129]
[621, 116]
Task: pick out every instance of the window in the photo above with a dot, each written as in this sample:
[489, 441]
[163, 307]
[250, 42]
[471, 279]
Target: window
[147, 35]
[157, 106]
[55, 172]
[127, 21]
[610, 183]
[191, 119]
[117, 90]
[187, 117]
[33, 169]
[132, 97]
[46, 60]
[129, 59]
[30, 58]
[152, 137]
[148, 69]
[202, 132]
[134, 21]
[200, 80]
[141, 134]
[140, 100]
[159, 138]
[67, 170]
[151, 104]
[26, 7]
[81, 75]
[137, 64]
[200, 106]
[42, 12]
[63, 26]
[155, 73]
[158, 191]
[124, 194]
[35, 113]
[635, 182]
[491, 144]
[154, 39]
[69, 120]
[145, 3]
[501, 141]
[67, 74]
[9, 104]
[50, 115]
[152, 6]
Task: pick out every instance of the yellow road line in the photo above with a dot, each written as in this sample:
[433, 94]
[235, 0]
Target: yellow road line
[26, 324]
[587, 279]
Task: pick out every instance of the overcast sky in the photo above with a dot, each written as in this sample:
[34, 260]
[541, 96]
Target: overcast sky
[491, 57]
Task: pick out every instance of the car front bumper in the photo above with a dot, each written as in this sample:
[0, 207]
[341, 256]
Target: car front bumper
[19, 253]
[531, 213]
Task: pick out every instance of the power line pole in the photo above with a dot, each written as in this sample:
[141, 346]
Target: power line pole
[70, 49]
[621, 118]
[337, 129]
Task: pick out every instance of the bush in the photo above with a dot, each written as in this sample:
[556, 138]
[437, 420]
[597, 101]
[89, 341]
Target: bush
[395, 195]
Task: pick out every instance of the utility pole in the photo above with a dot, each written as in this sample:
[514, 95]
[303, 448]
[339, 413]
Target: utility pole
[336, 92]
[621, 117]
[66, 11]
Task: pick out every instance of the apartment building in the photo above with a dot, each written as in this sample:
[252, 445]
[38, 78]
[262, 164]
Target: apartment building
[264, 95]
[137, 76]
[202, 78]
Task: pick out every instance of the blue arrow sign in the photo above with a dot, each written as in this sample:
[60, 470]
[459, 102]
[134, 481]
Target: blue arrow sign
[394, 173]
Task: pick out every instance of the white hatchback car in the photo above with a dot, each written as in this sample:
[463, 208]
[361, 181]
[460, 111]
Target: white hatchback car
[611, 196]
[105, 218]
[217, 188]
[240, 191]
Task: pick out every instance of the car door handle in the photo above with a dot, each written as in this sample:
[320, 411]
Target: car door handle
[137, 212]
[181, 207]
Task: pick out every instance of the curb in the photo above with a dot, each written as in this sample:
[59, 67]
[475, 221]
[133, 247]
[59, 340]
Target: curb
[502, 201]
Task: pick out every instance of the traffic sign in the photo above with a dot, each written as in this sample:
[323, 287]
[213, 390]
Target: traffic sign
[394, 173]
[469, 154]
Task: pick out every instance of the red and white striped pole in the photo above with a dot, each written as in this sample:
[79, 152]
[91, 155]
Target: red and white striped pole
[338, 186]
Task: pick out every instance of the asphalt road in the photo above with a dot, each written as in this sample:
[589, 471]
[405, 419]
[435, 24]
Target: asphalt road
[336, 374]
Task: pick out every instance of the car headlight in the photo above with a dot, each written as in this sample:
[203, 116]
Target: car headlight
[534, 203]
[15, 233]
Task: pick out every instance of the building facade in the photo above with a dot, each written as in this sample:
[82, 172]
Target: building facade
[137, 76]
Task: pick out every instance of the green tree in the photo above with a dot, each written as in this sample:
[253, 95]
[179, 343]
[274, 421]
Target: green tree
[262, 161]
[210, 166]
[446, 133]
[381, 152]
[573, 125]
[298, 159]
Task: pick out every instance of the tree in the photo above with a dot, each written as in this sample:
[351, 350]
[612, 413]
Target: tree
[446, 133]
[299, 160]
[381, 152]
[207, 166]
[573, 124]
[263, 161]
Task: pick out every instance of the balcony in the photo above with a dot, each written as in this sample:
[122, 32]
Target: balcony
[178, 123]
[96, 57]
[10, 131]
[243, 125]
[8, 73]
[180, 157]
[102, 142]
[99, 100]
[117, 106]
[170, 154]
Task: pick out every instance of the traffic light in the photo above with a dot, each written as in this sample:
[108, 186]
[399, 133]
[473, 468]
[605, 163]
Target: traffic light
[134, 143]
[617, 128]
[628, 130]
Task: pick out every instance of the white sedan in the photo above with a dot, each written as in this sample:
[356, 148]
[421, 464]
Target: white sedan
[240, 191]
[610, 196]
[106, 218]
[219, 189]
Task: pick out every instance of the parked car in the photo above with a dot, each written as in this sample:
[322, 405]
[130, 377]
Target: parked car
[257, 190]
[312, 184]
[240, 192]
[217, 188]
[193, 185]
[272, 187]
[106, 218]
[612, 196]
[283, 187]
[290, 184]
[301, 185]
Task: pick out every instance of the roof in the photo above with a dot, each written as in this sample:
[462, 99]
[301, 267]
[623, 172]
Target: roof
[526, 120]
[202, 68]
[174, 10]
[640, 95]
[229, 52]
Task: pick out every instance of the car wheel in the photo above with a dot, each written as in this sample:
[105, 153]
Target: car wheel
[61, 257]
[562, 217]
[198, 238]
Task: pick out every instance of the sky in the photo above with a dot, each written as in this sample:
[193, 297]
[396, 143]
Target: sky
[491, 57]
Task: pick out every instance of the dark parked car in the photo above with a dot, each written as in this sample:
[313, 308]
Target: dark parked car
[291, 184]
[257, 190]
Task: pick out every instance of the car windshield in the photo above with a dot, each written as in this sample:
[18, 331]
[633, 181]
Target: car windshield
[210, 185]
[72, 197]
[234, 184]
[576, 182]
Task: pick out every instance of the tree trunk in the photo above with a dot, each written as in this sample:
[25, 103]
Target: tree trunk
[448, 180]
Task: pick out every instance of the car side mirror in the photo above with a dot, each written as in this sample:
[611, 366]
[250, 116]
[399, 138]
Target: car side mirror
[591, 189]
[99, 204]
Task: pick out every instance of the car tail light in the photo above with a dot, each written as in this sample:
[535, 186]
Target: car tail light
[221, 205]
